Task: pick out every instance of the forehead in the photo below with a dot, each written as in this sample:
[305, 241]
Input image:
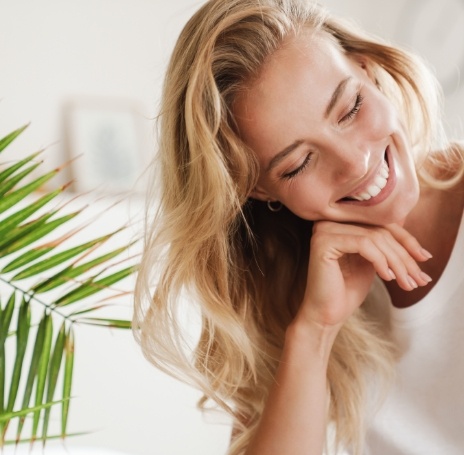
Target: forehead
[295, 85]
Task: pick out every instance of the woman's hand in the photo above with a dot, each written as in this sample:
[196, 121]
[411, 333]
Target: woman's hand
[344, 259]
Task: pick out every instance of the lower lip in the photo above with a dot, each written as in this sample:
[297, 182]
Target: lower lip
[387, 189]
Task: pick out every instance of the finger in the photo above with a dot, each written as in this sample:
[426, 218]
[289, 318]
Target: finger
[409, 242]
[400, 263]
[403, 264]
[329, 248]
[406, 252]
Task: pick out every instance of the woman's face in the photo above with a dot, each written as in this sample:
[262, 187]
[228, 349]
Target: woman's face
[329, 144]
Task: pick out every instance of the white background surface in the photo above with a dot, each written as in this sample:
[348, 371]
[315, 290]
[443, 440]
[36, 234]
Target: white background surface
[53, 51]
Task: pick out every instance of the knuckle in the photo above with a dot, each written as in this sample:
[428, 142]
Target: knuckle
[365, 242]
[379, 234]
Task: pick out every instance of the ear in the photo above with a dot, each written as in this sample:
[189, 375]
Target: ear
[261, 194]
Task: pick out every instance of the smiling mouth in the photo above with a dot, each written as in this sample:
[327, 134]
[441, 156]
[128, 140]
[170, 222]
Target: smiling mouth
[375, 187]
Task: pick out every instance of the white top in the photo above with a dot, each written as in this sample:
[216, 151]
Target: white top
[424, 410]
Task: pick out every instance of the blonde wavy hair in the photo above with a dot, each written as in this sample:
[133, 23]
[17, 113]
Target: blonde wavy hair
[242, 267]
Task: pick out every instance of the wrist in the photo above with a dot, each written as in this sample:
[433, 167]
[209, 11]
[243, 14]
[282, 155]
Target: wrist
[311, 336]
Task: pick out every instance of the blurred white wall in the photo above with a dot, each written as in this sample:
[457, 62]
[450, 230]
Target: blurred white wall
[53, 51]
[434, 30]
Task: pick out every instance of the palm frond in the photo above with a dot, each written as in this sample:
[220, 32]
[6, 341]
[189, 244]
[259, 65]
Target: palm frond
[71, 272]
[26, 411]
[57, 259]
[105, 322]
[67, 379]
[22, 338]
[6, 184]
[30, 232]
[92, 286]
[9, 138]
[49, 273]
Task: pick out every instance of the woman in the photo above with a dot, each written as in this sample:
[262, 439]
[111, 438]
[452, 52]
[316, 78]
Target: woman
[302, 166]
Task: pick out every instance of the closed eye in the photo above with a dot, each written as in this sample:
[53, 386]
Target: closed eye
[292, 174]
[355, 109]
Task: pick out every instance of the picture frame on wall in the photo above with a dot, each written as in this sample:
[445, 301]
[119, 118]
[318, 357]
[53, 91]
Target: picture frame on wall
[104, 142]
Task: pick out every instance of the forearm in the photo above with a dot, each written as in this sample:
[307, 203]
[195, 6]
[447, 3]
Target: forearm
[295, 417]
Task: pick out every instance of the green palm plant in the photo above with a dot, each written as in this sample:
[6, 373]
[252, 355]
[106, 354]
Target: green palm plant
[46, 288]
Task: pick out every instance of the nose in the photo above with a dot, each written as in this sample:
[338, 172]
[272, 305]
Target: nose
[349, 162]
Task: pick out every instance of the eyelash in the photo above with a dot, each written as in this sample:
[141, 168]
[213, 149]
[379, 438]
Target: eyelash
[298, 170]
[357, 106]
[354, 111]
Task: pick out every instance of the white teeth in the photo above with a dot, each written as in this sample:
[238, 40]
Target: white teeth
[384, 172]
[374, 190]
[378, 185]
[380, 181]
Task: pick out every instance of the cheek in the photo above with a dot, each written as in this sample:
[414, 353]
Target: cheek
[308, 201]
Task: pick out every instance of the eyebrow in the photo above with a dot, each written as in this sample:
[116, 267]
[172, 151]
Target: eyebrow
[283, 154]
[336, 96]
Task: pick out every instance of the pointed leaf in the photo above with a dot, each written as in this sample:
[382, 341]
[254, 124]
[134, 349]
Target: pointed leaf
[7, 315]
[38, 232]
[42, 373]
[69, 273]
[57, 259]
[104, 322]
[7, 140]
[74, 316]
[7, 185]
[53, 371]
[22, 337]
[13, 198]
[56, 436]
[2, 370]
[13, 220]
[5, 320]
[18, 165]
[67, 380]
[23, 412]
[26, 258]
[34, 363]
[91, 287]
[21, 231]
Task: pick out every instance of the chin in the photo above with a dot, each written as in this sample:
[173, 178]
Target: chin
[394, 211]
[398, 210]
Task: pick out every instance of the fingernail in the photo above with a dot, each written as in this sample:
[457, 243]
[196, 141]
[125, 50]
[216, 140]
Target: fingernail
[392, 274]
[412, 282]
[425, 277]
[426, 253]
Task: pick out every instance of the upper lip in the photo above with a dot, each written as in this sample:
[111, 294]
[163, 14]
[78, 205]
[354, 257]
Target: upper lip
[367, 180]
